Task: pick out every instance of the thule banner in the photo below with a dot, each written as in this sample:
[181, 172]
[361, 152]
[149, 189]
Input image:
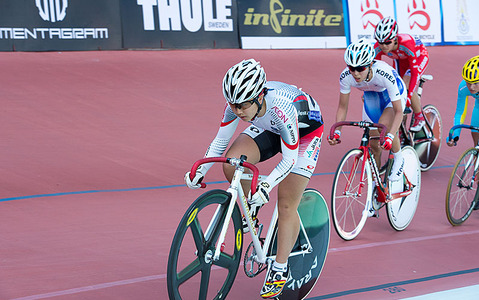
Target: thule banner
[44, 25]
[179, 24]
[290, 24]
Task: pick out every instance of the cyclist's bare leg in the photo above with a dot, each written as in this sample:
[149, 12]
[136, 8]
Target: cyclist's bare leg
[415, 101]
[290, 191]
[243, 145]
[475, 137]
[374, 144]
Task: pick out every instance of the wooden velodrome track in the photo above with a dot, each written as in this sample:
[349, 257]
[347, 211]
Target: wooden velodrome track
[95, 146]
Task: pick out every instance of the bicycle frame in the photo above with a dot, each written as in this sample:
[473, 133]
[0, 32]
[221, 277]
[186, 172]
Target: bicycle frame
[383, 192]
[235, 189]
[476, 162]
[408, 136]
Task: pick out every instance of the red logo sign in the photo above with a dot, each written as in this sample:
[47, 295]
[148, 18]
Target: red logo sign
[418, 15]
[370, 13]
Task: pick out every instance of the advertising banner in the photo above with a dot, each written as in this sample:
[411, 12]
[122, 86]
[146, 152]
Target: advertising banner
[45, 25]
[461, 24]
[420, 18]
[364, 15]
[179, 24]
[291, 24]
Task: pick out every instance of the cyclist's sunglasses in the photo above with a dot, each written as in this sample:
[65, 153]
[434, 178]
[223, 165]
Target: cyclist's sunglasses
[359, 69]
[246, 104]
[385, 43]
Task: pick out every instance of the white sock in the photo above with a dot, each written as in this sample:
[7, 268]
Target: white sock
[280, 267]
[397, 155]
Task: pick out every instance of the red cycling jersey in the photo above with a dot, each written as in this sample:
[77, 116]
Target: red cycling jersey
[411, 54]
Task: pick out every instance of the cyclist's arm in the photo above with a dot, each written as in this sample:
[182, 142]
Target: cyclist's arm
[398, 116]
[461, 107]
[220, 142]
[343, 105]
[417, 58]
[345, 84]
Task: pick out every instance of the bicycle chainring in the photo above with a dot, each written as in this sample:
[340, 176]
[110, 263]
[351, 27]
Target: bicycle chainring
[251, 266]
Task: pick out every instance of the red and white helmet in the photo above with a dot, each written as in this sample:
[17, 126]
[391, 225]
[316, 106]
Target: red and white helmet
[386, 30]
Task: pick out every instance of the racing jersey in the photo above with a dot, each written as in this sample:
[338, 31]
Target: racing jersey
[463, 94]
[384, 78]
[290, 113]
[411, 54]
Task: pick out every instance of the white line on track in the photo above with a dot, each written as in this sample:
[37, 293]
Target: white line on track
[163, 276]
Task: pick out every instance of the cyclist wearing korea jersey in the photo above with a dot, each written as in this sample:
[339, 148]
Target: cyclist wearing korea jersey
[411, 59]
[469, 87]
[384, 98]
[284, 119]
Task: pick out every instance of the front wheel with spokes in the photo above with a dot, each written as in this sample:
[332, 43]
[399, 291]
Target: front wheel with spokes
[192, 273]
[461, 194]
[349, 198]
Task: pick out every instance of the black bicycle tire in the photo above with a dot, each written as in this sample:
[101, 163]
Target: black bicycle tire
[435, 144]
[190, 218]
[291, 290]
[452, 220]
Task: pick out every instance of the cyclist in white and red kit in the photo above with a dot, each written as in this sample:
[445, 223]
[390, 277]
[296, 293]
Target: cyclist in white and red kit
[411, 59]
[283, 119]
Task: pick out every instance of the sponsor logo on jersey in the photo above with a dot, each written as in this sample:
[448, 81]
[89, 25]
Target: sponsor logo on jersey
[315, 115]
[281, 115]
[312, 151]
[292, 130]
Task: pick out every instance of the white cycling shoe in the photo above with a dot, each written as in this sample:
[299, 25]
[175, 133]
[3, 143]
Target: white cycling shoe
[397, 169]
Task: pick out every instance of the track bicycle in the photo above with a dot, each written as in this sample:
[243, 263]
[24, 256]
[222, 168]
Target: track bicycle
[462, 193]
[359, 192]
[427, 141]
[205, 253]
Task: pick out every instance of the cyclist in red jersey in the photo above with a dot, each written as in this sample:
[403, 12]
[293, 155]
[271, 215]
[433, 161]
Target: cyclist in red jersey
[410, 57]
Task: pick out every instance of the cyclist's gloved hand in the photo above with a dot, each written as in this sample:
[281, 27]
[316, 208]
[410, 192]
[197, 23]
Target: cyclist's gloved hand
[388, 141]
[196, 182]
[261, 196]
[452, 142]
[335, 139]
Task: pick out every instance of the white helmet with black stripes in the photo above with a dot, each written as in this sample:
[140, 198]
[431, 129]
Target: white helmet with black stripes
[243, 81]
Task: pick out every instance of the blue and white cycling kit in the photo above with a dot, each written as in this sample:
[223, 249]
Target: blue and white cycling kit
[463, 94]
[384, 87]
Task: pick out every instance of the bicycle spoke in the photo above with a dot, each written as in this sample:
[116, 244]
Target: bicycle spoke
[190, 261]
[205, 281]
[189, 271]
[225, 261]
[348, 204]
[461, 189]
[198, 235]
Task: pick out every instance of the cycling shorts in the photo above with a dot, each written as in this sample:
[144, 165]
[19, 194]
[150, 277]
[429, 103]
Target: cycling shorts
[269, 145]
[375, 103]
